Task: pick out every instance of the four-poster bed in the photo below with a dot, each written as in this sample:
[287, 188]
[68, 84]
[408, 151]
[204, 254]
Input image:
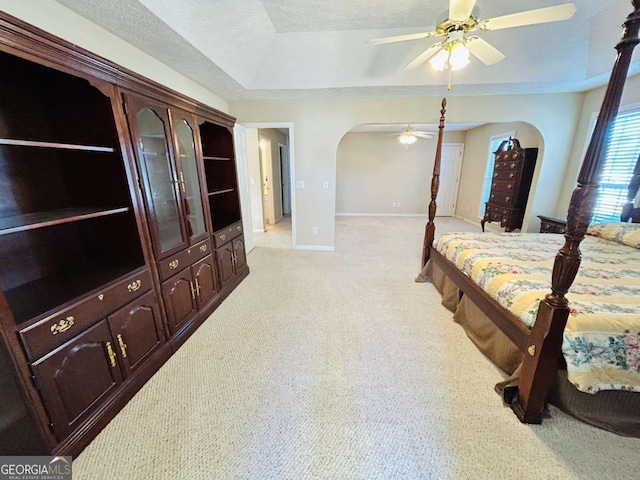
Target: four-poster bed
[534, 349]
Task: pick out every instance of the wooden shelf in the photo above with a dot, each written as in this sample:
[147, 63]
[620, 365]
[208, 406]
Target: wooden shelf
[30, 221]
[33, 299]
[218, 192]
[227, 159]
[63, 146]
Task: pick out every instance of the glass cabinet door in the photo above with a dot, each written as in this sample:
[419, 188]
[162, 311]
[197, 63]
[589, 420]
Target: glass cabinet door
[185, 144]
[161, 179]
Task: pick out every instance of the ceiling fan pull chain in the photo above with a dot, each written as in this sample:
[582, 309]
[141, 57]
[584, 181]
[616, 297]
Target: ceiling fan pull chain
[449, 84]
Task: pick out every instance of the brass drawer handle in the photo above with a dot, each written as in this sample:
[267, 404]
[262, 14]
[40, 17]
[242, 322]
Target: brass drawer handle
[112, 354]
[63, 325]
[203, 248]
[507, 199]
[197, 287]
[495, 175]
[134, 286]
[239, 228]
[513, 165]
[493, 186]
[493, 196]
[123, 346]
[173, 264]
[511, 175]
[222, 237]
[509, 187]
[193, 291]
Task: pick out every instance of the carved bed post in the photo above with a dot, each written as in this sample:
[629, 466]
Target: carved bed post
[634, 186]
[545, 341]
[430, 229]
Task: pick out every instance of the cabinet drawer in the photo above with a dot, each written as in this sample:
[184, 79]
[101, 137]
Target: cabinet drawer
[507, 199]
[507, 165]
[226, 234]
[54, 330]
[502, 186]
[509, 175]
[175, 263]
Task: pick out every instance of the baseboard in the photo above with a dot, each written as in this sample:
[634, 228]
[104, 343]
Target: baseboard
[319, 248]
[259, 230]
[382, 215]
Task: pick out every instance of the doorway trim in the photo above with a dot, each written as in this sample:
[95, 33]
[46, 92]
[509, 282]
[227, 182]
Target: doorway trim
[292, 169]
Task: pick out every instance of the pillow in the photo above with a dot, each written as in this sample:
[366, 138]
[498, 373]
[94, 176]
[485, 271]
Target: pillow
[620, 232]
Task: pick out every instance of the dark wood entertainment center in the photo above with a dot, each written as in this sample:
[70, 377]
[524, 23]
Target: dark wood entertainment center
[120, 233]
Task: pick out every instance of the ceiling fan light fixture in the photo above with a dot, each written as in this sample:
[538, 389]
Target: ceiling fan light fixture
[407, 138]
[459, 56]
[439, 60]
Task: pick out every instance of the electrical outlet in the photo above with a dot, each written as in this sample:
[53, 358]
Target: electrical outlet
[325, 184]
[314, 230]
[253, 181]
[299, 183]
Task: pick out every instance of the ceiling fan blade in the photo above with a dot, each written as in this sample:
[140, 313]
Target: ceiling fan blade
[460, 10]
[530, 17]
[424, 56]
[424, 134]
[487, 53]
[401, 38]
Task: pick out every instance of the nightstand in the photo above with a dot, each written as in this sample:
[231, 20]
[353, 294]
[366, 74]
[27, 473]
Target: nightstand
[552, 225]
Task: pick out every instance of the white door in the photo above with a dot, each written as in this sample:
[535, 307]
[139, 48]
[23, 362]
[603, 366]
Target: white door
[242, 162]
[450, 165]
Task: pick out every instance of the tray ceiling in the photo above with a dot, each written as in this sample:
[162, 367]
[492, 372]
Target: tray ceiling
[262, 49]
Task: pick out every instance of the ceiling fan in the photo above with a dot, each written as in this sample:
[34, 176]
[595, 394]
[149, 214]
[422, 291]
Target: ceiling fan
[461, 19]
[409, 136]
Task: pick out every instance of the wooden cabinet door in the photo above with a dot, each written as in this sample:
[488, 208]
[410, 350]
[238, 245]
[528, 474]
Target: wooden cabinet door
[137, 331]
[226, 264]
[179, 299]
[78, 377]
[240, 254]
[150, 130]
[204, 274]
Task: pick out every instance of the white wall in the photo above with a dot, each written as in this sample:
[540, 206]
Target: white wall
[374, 172]
[474, 165]
[320, 124]
[590, 106]
[64, 23]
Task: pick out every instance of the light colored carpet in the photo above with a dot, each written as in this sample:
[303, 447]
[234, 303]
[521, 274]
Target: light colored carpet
[276, 236]
[339, 366]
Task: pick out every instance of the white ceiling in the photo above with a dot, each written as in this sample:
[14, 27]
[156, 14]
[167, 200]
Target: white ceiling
[253, 49]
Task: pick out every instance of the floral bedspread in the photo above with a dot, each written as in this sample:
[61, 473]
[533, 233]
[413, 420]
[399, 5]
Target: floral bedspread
[602, 337]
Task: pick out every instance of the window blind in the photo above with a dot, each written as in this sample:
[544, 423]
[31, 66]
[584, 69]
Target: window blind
[495, 142]
[621, 156]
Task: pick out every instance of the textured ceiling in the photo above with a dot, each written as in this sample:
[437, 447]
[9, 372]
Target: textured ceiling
[253, 49]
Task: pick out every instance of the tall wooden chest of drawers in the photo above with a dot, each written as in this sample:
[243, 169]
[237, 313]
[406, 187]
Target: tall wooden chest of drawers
[510, 184]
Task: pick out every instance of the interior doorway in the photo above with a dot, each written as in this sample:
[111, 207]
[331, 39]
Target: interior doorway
[285, 179]
[266, 181]
[270, 178]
